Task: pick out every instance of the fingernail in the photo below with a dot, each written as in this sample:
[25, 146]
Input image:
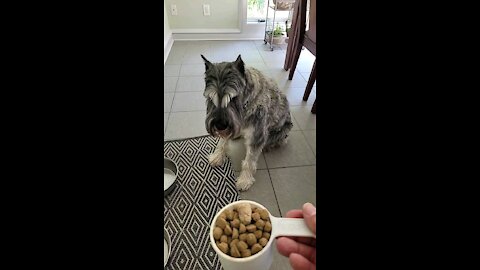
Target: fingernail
[309, 209]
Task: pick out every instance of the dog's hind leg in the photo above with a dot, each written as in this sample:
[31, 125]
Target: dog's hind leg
[280, 137]
[218, 156]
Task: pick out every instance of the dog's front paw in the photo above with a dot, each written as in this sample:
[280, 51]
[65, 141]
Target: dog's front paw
[216, 159]
[244, 181]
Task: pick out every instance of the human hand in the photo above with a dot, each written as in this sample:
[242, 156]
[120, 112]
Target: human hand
[301, 251]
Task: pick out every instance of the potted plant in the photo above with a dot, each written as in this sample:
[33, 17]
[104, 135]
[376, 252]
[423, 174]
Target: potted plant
[278, 35]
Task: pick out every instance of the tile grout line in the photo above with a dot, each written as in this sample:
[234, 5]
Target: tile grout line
[309, 146]
[287, 167]
[274, 193]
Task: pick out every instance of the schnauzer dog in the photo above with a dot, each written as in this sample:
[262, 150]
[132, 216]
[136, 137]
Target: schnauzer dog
[241, 101]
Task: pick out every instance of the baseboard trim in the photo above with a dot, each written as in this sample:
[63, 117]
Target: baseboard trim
[207, 31]
[221, 38]
[167, 47]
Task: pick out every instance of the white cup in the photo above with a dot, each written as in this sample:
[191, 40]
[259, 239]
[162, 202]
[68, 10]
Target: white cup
[263, 259]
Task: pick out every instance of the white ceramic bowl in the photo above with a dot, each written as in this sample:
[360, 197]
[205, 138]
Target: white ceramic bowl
[168, 248]
[169, 179]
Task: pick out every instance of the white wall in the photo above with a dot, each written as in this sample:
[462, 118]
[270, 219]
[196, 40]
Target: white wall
[224, 15]
[187, 26]
[167, 35]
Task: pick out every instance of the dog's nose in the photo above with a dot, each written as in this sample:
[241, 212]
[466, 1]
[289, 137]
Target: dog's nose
[221, 126]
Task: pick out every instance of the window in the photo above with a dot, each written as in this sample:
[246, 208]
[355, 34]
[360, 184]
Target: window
[257, 10]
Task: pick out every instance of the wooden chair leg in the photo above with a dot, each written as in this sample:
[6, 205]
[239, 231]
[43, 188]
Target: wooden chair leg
[293, 39]
[314, 107]
[296, 54]
[311, 81]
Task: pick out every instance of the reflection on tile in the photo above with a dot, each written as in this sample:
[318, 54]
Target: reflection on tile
[262, 192]
[251, 57]
[165, 120]
[304, 117]
[294, 186]
[189, 101]
[185, 125]
[171, 70]
[311, 137]
[261, 164]
[296, 126]
[296, 82]
[194, 57]
[296, 152]
[192, 69]
[304, 66]
[258, 65]
[191, 84]
[167, 101]
[175, 57]
[169, 84]
[305, 75]
[295, 96]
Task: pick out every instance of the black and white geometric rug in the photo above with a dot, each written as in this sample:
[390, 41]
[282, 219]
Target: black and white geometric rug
[201, 191]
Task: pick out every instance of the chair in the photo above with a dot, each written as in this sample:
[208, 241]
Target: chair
[303, 38]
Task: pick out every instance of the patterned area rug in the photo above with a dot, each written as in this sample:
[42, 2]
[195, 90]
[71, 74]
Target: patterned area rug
[189, 209]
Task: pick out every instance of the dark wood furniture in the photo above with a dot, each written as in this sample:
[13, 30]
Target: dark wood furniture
[303, 38]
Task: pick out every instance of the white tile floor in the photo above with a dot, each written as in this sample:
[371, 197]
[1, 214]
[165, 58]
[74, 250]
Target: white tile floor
[286, 177]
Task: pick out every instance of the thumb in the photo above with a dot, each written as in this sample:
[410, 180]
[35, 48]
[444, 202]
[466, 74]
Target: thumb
[310, 216]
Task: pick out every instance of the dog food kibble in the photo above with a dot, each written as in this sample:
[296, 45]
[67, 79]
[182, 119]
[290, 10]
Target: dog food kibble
[264, 214]
[258, 234]
[234, 251]
[235, 233]
[242, 245]
[256, 216]
[251, 227]
[223, 239]
[235, 223]
[242, 228]
[251, 239]
[222, 223]
[268, 226]
[263, 241]
[217, 232]
[228, 230]
[242, 237]
[260, 224]
[243, 231]
[233, 243]
[256, 248]
[246, 253]
[223, 247]
[229, 214]
[244, 213]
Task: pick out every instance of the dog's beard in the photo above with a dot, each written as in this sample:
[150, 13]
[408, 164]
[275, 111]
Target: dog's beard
[225, 134]
[233, 129]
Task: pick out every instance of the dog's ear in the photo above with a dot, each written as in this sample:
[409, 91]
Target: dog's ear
[239, 64]
[208, 65]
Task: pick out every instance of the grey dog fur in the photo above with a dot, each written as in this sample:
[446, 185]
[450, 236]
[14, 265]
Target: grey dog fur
[248, 104]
